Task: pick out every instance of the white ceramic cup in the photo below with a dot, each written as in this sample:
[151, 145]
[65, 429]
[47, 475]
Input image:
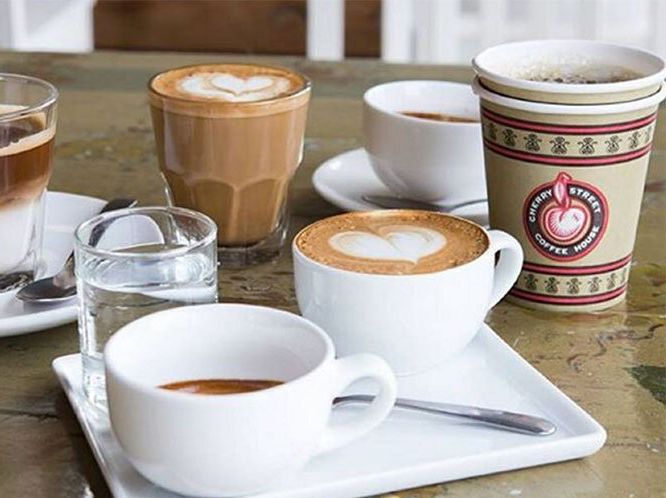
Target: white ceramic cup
[419, 158]
[228, 445]
[412, 321]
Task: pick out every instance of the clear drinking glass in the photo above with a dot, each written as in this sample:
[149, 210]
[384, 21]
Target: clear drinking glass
[27, 131]
[133, 262]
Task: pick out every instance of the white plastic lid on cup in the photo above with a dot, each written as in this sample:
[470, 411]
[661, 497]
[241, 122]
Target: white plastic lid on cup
[505, 69]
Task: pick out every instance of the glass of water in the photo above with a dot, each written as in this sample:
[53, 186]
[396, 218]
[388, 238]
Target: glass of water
[133, 262]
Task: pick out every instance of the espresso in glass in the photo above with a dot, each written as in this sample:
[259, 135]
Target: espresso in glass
[27, 130]
[229, 139]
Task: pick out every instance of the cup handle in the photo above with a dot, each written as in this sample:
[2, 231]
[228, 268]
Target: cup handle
[346, 371]
[509, 265]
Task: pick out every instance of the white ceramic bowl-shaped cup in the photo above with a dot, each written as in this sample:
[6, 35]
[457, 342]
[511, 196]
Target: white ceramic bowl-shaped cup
[233, 444]
[420, 158]
[414, 322]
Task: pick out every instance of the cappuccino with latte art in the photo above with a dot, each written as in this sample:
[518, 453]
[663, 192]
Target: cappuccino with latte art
[228, 83]
[398, 242]
[229, 138]
[411, 286]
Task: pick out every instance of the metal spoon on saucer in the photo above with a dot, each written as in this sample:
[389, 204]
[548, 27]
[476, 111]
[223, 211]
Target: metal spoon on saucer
[388, 202]
[62, 285]
[510, 421]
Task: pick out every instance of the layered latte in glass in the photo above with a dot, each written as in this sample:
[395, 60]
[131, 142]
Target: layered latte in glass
[27, 131]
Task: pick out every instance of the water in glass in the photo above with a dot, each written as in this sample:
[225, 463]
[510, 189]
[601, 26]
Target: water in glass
[114, 290]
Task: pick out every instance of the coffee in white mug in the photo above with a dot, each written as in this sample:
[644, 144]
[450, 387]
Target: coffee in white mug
[398, 243]
[410, 286]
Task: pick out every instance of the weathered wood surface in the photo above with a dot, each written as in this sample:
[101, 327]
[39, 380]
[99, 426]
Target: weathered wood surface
[611, 362]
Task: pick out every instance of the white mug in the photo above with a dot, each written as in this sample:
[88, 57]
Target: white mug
[414, 321]
[419, 158]
[232, 444]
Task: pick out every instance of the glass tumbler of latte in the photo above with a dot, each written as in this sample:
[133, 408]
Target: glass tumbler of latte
[27, 131]
[229, 139]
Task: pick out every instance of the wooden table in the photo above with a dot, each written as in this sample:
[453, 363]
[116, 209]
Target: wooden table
[610, 362]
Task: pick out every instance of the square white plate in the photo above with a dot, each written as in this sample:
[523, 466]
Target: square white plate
[408, 449]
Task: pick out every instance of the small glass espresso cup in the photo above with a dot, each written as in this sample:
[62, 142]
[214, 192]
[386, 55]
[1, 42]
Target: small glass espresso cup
[133, 262]
[229, 139]
[232, 444]
[27, 134]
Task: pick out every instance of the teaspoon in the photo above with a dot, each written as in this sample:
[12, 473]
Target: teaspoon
[510, 421]
[388, 202]
[62, 285]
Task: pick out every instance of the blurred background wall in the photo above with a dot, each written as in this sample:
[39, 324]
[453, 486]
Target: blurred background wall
[428, 31]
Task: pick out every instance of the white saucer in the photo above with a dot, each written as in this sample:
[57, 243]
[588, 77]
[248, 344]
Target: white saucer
[64, 212]
[344, 179]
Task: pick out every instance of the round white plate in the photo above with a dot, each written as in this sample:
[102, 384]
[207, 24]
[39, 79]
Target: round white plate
[64, 212]
[343, 180]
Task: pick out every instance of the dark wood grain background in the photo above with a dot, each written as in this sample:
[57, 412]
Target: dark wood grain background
[232, 26]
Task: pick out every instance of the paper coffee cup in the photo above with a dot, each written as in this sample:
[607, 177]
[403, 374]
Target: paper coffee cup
[567, 182]
[510, 70]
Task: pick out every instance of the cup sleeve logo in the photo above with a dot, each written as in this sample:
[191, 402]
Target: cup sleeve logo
[565, 219]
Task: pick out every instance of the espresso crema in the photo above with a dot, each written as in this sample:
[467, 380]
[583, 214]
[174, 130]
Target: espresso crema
[397, 242]
[220, 386]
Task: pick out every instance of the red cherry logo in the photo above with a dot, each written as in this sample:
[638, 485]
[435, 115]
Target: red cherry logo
[564, 225]
[563, 221]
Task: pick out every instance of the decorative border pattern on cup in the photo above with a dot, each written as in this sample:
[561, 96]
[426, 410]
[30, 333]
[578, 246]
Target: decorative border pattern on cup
[572, 286]
[567, 145]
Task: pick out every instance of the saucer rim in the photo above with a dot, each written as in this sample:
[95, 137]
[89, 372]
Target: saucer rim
[43, 318]
[347, 203]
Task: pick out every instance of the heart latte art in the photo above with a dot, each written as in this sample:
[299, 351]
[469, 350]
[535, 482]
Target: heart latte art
[401, 242]
[232, 88]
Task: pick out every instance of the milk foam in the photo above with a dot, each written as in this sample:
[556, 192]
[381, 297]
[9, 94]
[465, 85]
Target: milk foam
[7, 108]
[397, 242]
[231, 88]
[16, 232]
[571, 72]
[30, 141]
